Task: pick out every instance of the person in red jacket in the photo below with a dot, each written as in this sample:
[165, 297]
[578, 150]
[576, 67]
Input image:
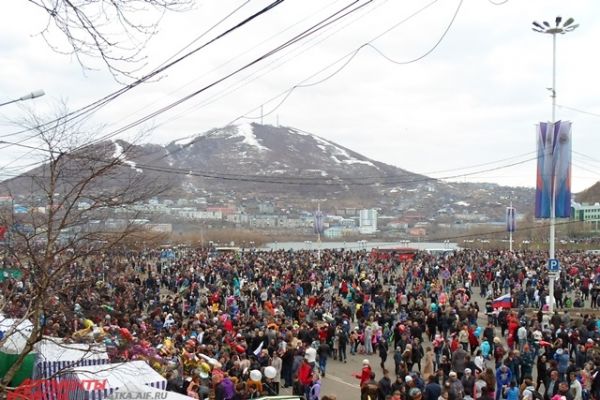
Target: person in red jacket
[365, 373]
[305, 377]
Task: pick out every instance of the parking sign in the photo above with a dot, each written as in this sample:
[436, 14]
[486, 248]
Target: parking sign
[553, 265]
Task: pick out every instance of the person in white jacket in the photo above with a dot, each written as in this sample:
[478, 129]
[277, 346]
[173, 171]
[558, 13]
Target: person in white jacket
[522, 336]
[575, 387]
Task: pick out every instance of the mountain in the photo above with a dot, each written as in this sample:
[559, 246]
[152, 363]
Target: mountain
[261, 161]
[284, 159]
[589, 195]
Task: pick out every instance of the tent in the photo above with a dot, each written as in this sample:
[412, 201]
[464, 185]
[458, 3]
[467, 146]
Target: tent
[111, 377]
[14, 335]
[53, 356]
[132, 390]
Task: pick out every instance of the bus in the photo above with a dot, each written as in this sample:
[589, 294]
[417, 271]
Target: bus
[397, 254]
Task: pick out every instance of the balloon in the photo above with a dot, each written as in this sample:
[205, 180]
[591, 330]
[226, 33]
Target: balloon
[212, 361]
[107, 308]
[82, 333]
[270, 372]
[255, 375]
[87, 323]
[126, 334]
[205, 367]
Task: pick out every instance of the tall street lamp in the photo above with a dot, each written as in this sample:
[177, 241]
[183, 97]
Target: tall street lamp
[561, 28]
[32, 95]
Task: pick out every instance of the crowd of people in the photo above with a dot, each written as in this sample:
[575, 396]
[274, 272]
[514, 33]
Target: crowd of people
[255, 323]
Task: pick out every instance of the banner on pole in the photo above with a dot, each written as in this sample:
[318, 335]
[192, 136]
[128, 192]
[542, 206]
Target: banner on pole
[511, 223]
[319, 228]
[553, 169]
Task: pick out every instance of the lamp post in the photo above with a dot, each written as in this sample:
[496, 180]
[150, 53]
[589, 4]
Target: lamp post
[29, 96]
[559, 28]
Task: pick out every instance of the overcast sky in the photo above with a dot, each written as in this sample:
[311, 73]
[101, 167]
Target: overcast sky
[473, 102]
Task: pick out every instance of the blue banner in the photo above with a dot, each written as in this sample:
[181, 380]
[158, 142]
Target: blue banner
[553, 169]
[511, 223]
[318, 225]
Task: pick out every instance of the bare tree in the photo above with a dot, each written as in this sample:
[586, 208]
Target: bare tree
[59, 224]
[115, 31]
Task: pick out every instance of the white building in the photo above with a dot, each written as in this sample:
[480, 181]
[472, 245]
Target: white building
[368, 221]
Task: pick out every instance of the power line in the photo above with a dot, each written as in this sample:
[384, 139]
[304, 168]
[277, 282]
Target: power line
[303, 181]
[345, 11]
[301, 84]
[337, 181]
[350, 56]
[226, 17]
[578, 110]
[585, 169]
[188, 83]
[314, 181]
[110, 97]
[289, 91]
[255, 75]
[586, 156]
[499, 232]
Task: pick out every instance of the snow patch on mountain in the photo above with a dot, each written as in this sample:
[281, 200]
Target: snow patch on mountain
[339, 155]
[118, 154]
[185, 140]
[246, 131]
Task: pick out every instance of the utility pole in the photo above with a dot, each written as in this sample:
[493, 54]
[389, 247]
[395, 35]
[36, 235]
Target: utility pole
[560, 28]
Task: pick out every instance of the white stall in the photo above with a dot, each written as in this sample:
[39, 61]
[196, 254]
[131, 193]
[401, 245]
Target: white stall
[53, 356]
[96, 382]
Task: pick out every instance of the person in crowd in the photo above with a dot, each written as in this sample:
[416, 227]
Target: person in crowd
[370, 389]
[433, 390]
[290, 310]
